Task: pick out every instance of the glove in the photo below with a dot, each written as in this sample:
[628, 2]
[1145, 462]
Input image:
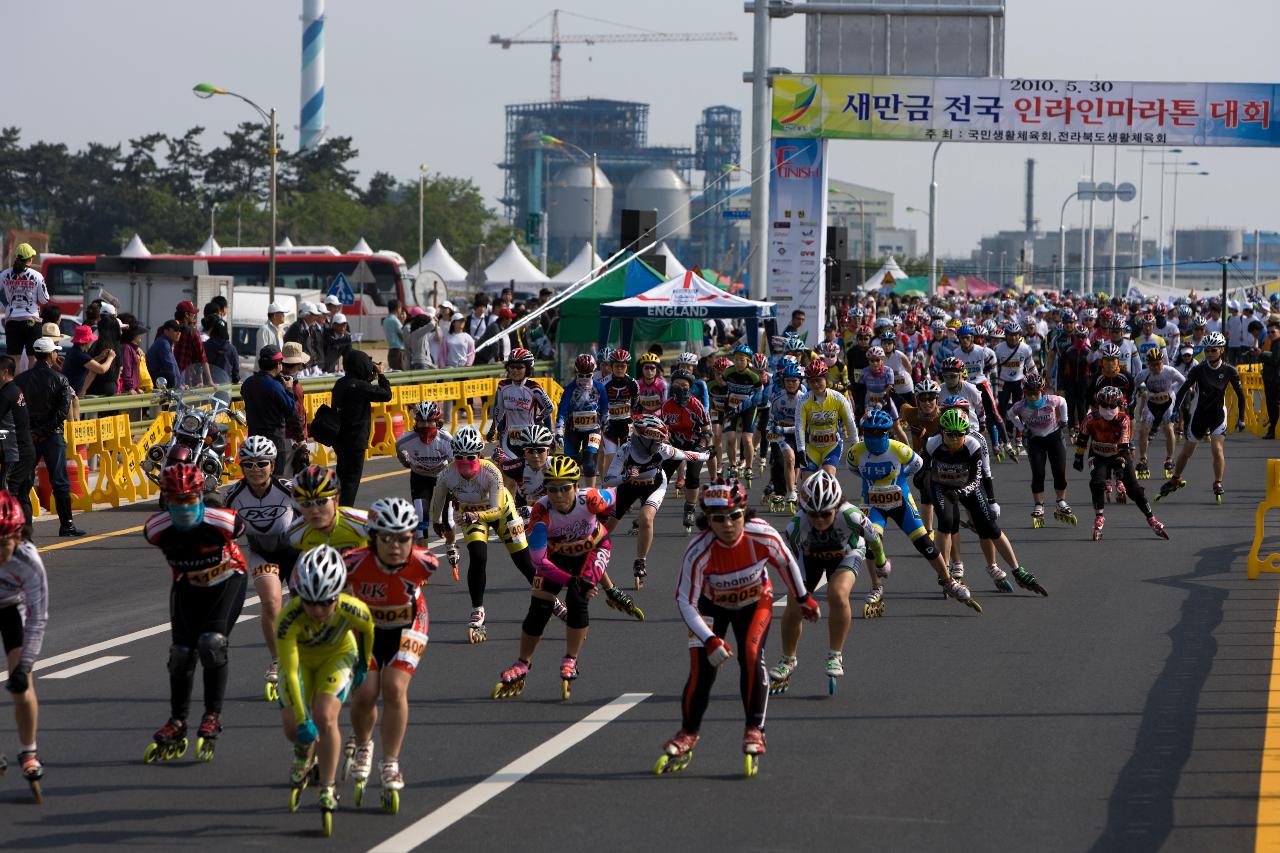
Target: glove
[358, 674]
[809, 608]
[883, 571]
[1078, 464]
[995, 509]
[18, 680]
[718, 651]
[1240, 425]
[307, 733]
[470, 518]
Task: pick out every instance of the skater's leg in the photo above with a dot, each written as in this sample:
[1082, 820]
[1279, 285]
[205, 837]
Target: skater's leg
[364, 707]
[751, 630]
[1037, 454]
[839, 613]
[1124, 473]
[214, 642]
[644, 535]
[183, 656]
[577, 619]
[697, 689]
[1219, 457]
[1056, 452]
[792, 625]
[267, 586]
[478, 552]
[395, 708]
[1098, 470]
[541, 602]
[25, 707]
[324, 712]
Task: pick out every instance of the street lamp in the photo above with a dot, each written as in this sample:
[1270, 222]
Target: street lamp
[1163, 164]
[422, 174]
[1062, 244]
[1176, 173]
[1002, 254]
[547, 139]
[933, 207]
[207, 90]
[987, 272]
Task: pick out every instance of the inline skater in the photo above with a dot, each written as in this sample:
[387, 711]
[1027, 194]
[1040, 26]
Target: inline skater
[24, 614]
[718, 392]
[1148, 340]
[569, 543]
[919, 420]
[744, 384]
[761, 411]
[1209, 379]
[689, 361]
[1014, 361]
[828, 537]
[265, 503]
[1041, 418]
[899, 364]
[724, 583]
[388, 577]
[323, 522]
[1157, 386]
[1118, 338]
[325, 638]
[825, 422]
[651, 387]
[978, 361]
[1111, 374]
[1167, 330]
[1105, 434]
[783, 444]
[621, 392]
[886, 468]
[475, 485]
[875, 387]
[426, 452]
[517, 402]
[689, 429]
[1072, 365]
[198, 543]
[582, 414]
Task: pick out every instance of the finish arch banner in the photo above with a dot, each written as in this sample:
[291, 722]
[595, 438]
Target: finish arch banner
[1019, 110]
[798, 232]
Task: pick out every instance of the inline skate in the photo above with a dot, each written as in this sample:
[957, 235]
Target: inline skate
[169, 742]
[452, 556]
[1000, 579]
[511, 682]
[952, 588]
[32, 771]
[1064, 515]
[1157, 528]
[568, 672]
[272, 689]
[753, 746]
[392, 784]
[1037, 517]
[640, 569]
[360, 763]
[207, 735]
[1170, 486]
[676, 753]
[328, 805]
[780, 675]
[1218, 491]
[303, 771]
[1168, 469]
[873, 604]
[1142, 471]
[835, 670]
[1098, 521]
[622, 602]
[477, 632]
[1026, 580]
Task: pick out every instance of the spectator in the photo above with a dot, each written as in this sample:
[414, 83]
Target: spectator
[19, 451]
[49, 403]
[23, 292]
[106, 384]
[332, 308]
[219, 352]
[796, 326]
[393, 329]
[294, 360]
[499, 351]
[269, 405]
[80, 367]
[314, 341]
[337, 341]
[422, 328]
[189, 350]
[460, 347]
[53, 332]
[361, 385]
[161, 361]
[50, 314]
[1271, 374]
[134, 376]
[479, 324]
[271, 333]
[297, 330]
[444, 314]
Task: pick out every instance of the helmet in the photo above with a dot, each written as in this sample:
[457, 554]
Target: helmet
[876, 353]
[951, 365]
[535, 435]
[650, 427]
[606, 355]
[392, 515]
[649, 358]
[467, 440]
[956, 401]
[816, 370]
[683, 373]
[1147, 320]
[1155, 354]
[926, 387]
[790, 370]
[315, 481]
[954, 420]
[687, 359]
[938, 327]
[11, 518]
[1068, 316]
[723, 494]
[1109, 350]
[428, 410]
[1012, 329]
[1117, 325]
[1199, 323]
[520, 356]
[743, 349]
[990, 327]
[1214, 339]
[821, 493]
[1109, 396]
[563, 468]
[1161, 310]
[965, 330]
[1184, 310]
[761, 361]
[256, 447]
[181, 479]
[721, 363]
[876, 419]
[320, 575]
[1032, 382]
[584, 364]
[619, 356]
[1089, 314]
[793, 344]
[829, 349]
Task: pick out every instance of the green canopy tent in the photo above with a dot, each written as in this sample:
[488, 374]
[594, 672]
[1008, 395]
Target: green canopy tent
[916, 284]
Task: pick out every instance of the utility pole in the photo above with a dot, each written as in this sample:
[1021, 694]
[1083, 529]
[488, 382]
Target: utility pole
[761, 133]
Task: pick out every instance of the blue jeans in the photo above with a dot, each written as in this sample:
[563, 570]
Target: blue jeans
[53, 450]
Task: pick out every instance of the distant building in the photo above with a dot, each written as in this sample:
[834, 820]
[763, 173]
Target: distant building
[895, 241]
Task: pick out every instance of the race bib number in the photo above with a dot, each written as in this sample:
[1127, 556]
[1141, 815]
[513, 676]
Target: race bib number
[1105, 448]
[593, 440]
[620, 410]
[1158, 397]
[734, 597]
[413, 644]
[585, 420]
[825, 437]
[885, 497]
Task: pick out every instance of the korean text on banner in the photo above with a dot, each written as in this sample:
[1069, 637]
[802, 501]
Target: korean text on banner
[966, 109]
[798, 231]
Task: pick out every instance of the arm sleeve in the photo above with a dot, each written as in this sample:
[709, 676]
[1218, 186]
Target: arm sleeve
[614, 476]
[787, 566]
[1193, 376]
[846, 412]
[35, 594]
[802, 418]
[562, 410]
[687, 591]
[498, 498]
[438, 498]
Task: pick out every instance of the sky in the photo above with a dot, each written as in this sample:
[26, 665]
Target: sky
[416, 81]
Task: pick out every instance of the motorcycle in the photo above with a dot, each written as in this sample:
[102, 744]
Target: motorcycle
[198, 437]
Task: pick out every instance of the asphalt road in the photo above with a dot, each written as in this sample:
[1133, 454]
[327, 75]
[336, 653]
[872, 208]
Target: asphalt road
[1124, 712]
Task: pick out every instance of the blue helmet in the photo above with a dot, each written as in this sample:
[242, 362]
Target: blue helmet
[955, 400]
[791, 370]
[966, 329]
[743, 349]
[793, 343]
[876, 419]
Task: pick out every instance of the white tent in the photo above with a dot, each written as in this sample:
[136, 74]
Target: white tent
[877, 281]
[579, 267]
[439, 261]
[210, 247]
[361, 248]
[286, 243]
[513, 266]
[674, 267]
[135, 249]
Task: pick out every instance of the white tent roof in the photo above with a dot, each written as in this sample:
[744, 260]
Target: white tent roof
[512, 265]
[687, 296]
[674, 267]
[578, 268]
[286, 243]
[361, 248]
[135, 249]
[439, 261]
[210, 247]
[891, 267]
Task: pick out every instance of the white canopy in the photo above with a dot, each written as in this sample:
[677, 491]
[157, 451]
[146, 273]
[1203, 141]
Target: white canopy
[286, 243]
[210, 247]
[674, 267]
[439, 261]
[578, 268]
[687, 295]
[877, 280]
[511, 266]
[361, 248]
[135, 249]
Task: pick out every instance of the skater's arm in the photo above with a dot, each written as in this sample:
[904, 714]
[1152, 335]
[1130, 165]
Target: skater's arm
[689, 588]
[615, 476]
[1193, 376]
[287, 650]
[35, 599]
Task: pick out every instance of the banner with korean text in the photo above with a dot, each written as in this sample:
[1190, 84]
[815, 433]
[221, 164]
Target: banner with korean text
[967, 109]
[798, 232]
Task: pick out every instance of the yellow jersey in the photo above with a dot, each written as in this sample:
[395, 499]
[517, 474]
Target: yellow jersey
[349, 531]
[821, 424]
[319, 656]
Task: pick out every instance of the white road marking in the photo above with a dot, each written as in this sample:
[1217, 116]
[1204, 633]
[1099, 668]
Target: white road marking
[782, 602]
[88, 666]
[477, 795]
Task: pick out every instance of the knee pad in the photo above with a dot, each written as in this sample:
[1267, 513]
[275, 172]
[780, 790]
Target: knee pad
[925, 546]
[589, 464]
[182, 660]
[578, 614]
[213, 650]
[535, 621]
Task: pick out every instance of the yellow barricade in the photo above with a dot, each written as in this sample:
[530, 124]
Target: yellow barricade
[82, 434]
[1256, 564]
[383, 413]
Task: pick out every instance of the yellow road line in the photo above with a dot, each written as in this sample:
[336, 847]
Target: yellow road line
[97, 536]
[1268, 832]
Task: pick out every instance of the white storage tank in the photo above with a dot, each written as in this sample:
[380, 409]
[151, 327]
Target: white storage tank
[569, 216]
[660, 188]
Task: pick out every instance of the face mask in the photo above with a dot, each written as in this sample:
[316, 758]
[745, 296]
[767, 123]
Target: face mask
[187, 517]
[468, 467]
[583, 382]
[426, 433]
[681, 395]
[878, 444]
[1107, 413]
[1036, 403]
[646, 445]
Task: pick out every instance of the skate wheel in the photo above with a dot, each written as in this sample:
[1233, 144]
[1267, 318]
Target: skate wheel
[391, 802]
[752, 765]
[35, 792]
[1004, 586]
[973, 602]
[151, 754]
[831, 685]
[326, 823]
[455, 574]
[565, 690]
[204, 749]
[497, 691]
[359, 792]
[295, 794]
[1219, 498]
[777, 688]
[660, 766]
[477, 635]
[272, 692]
[179, 750]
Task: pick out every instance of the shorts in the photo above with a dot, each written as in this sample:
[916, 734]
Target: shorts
[11, 627]
[783, 440]
[332, 674]
[509, 526]
[905, 515]
[280, 564]
[1157, 414]
[401, 648]
[744, 421]
[511, 466]
[815, 567]
[817, 456]
[617, 431]
[1205, 424]
[628, 493]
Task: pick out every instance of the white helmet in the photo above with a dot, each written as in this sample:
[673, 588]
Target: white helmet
[535, 435]
[467, 440]
[320, 575]
[256, 447]
[392, 515]
[688, 359]
[820, 493]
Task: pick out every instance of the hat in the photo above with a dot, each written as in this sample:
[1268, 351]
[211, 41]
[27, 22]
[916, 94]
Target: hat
[52, 331]
[1233, 305]
[1248, 306]
[339, 319]
[415, 311]
[428, 312]
[447, 304]
[24, 252]
[83, 335]
[170, 326]
[506, 314]
[270, 352]
[332, 300]
[317, 310]
[108, 309]
[186, 306]
[275, 308]
[293, 353]
[44, 346]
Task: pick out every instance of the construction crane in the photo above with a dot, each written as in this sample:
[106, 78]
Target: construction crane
[557, 39]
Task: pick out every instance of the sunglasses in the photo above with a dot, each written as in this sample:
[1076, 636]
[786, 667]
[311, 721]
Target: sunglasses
[467, 457]
[314, 503]
[826, 513]
[726, 517]
[395, 538]
[950, 434]
[875, 433]
[254, 466]
[560, 490]
[535, 450]
[319, 603]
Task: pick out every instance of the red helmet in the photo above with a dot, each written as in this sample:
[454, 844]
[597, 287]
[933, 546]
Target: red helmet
[761, 361]
[721, 363]
[723, 494]
[585, 363]
[520, 356]
[181, 479]
[1111, 396]
[817, 369]
[619, 356]
[11, 518]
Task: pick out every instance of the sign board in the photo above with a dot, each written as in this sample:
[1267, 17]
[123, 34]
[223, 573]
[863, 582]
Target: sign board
[798, 230]
[992, 111]
[341, 288]
[362, 274]
[735, 214]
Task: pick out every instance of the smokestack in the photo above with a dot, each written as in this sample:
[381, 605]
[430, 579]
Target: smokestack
[1031, 195]
[311, 126]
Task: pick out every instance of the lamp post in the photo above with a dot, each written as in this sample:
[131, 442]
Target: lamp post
[1174, 258]
[933, 208]
[547, 139]
[422, 174]
[1002, 254]
[207, 90]
[1062, 243]
[987, 272]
